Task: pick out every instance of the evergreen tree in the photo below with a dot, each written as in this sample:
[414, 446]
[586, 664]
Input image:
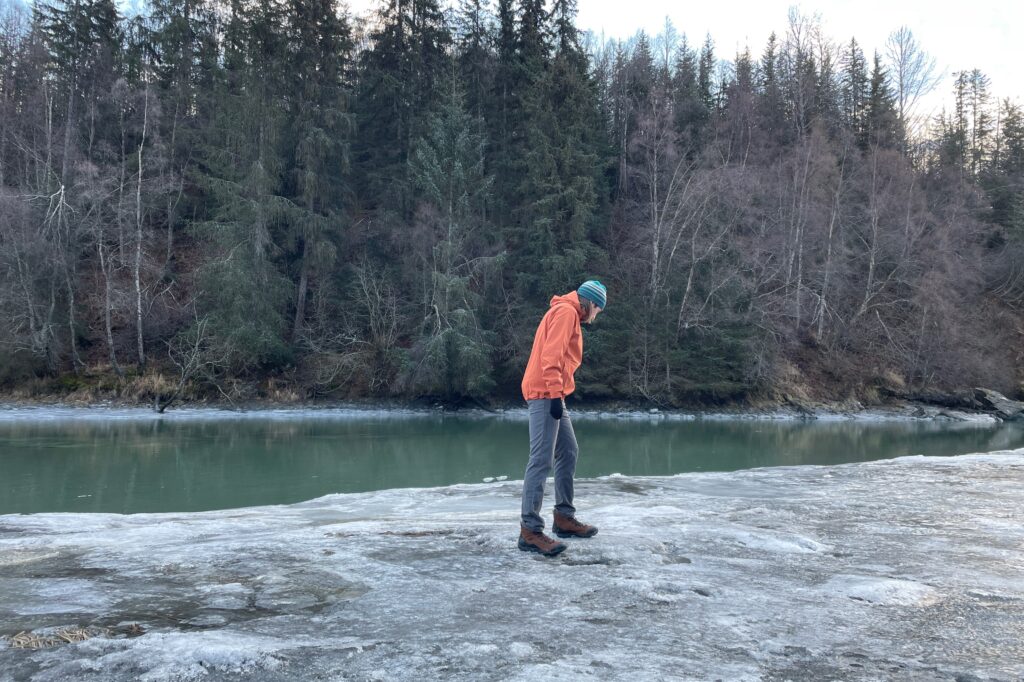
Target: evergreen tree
[690, 101]
[706, 74]
[827, 92]
[739, 113]
[577, 141]
[801, 78]
[184, 50]
[855, 89]
[533, 235]
[183, 41]
[83, 39]
[981, 123]
[396, 92]
[318, 137]
[1004, 182]
[1011, 148]
[966, 138]
[953, 130]
[452, 357]
[772, 109]
[502, 112]
[240, 171]
[559, 138]
[881, 120]
[476, 56]
[743, 77]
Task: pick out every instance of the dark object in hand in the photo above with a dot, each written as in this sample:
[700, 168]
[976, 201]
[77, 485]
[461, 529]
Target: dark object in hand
[556, 408]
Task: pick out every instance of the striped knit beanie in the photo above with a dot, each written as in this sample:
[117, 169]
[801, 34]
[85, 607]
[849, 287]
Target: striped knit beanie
[595, 292]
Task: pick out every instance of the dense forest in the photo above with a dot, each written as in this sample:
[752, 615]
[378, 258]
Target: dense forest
[275, 199]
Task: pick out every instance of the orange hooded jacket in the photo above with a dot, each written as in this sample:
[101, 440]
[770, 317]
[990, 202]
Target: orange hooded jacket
[557, 351]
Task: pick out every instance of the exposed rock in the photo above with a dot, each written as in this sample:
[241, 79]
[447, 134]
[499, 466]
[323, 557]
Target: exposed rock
[1003, 406]
[959, 400]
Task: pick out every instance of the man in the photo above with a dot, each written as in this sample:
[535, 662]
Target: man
[557, 353]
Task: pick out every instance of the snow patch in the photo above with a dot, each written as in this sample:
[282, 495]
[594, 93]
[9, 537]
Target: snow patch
[15, 557]
[773, 541]
[174, 656]
[520, 649]
[28, 597]
[885, 591]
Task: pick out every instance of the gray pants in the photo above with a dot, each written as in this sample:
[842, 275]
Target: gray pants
[551, 441]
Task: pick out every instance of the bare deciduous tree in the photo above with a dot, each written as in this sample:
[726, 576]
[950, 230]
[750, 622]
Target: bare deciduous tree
[914, 76]
[193, 354]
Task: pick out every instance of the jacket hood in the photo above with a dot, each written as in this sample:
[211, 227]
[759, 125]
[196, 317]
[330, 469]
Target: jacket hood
[572, 298]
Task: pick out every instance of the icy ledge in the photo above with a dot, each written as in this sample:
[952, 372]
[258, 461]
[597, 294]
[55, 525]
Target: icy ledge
[903, 569]
[106, 413]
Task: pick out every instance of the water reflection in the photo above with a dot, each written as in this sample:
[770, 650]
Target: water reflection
[165, 465]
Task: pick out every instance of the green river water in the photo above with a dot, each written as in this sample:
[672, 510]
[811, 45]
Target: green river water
[131, 461]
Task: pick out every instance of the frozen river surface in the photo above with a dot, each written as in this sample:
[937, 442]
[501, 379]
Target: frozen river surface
[903, 569]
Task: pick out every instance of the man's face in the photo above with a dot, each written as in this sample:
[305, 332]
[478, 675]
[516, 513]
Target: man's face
[594, 310]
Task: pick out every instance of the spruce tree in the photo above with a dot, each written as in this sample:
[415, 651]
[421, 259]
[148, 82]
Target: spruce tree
[183, 43]
[690, 104]
[576, 138]
[318, 132]
[477, 59]
[396, 93]
[83, 39]
[855, 88]
[881, 120]
[536, 251]
[451, 357]
[772, 111]
[1004, 182]
[706, 74]
[240, 169]
[981, 122]
[501, 115]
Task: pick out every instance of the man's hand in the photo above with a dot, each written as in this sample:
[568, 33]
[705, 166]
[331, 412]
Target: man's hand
[556, 408]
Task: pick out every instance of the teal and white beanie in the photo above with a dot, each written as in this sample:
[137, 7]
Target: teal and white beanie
[595, 292]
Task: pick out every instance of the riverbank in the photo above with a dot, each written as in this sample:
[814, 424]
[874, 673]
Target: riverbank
[53, 408]
[99, 387]
[907, 568]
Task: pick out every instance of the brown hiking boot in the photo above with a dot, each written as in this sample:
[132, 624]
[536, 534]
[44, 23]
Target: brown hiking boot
[569, 527]
[540, 543]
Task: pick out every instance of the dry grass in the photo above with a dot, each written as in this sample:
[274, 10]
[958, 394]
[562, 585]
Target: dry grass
[100, 382]
[143, 388]
[283, 395]
[68, 635]
[790, 383]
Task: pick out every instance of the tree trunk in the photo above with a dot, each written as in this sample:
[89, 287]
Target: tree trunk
[120, 193]
[76, 361]
[803, 190]
[51, 352]
[300, 301]
[138, 238]
[172, 200]
[105, 267]
[873, 246]
[821, 312]
[68, 124]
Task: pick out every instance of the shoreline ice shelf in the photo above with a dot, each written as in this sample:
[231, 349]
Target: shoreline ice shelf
[908, 568]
